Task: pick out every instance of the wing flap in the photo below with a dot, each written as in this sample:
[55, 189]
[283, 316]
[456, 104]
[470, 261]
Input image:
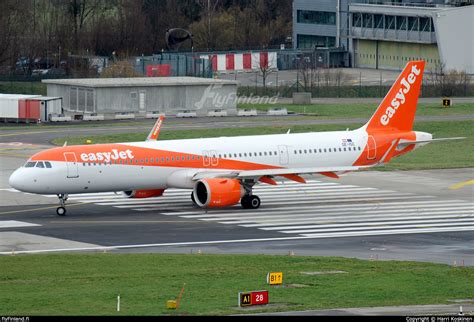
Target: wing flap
[292, 174]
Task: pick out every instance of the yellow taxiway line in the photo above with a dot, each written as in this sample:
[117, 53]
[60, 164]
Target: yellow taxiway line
[461, 185]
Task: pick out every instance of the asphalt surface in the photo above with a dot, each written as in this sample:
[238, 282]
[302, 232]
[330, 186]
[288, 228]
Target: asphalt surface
[412, 215]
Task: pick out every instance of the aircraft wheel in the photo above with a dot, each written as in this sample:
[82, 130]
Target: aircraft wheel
[245, 202]
[61, 211]
[254, 202]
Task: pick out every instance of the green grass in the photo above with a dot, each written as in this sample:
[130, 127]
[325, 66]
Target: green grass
[449, 154]
[335, 111]
[89, 284]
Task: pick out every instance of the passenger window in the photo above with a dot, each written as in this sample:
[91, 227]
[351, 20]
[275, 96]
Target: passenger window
[40, 165]
[340, 150]
[30, 164]
[301, 152]
[320, 151]
[265, 153]
[345, 150]
[245, 154]
[315, 150]
[325, 150]
[48, 165]
[260, 153]
[270, 153]
[240, 155]
[189, 157]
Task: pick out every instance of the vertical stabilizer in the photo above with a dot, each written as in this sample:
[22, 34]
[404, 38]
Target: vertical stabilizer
[398, 108]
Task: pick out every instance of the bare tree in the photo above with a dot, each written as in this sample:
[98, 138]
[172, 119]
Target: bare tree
[210, 7]
[266, 68]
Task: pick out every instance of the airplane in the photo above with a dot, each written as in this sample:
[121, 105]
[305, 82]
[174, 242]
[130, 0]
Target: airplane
[222, 171]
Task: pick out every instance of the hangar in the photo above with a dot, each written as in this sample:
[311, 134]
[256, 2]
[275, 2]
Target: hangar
[388, 34]
[114, 97]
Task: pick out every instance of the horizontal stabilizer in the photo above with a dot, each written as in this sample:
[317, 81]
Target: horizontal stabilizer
[407, 143]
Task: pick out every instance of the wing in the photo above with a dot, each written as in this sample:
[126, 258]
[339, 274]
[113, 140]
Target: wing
[266, 175]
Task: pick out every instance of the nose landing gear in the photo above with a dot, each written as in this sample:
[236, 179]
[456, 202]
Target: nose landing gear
[61, 210]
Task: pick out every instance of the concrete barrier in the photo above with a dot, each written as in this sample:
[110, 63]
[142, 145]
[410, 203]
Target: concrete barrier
[93, 117]
[277, 111]
[124, 116]
[217, 113]
[247, 112]
[154, 115]
[60, 118]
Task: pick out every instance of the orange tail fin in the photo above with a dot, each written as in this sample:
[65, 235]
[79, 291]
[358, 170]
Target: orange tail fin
[398, 108]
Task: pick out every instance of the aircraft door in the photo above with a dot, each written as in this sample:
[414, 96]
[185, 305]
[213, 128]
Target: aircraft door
[72, 166]
[371, 148]
[284, 156]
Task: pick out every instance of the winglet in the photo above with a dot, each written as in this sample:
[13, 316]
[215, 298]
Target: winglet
[155, 131]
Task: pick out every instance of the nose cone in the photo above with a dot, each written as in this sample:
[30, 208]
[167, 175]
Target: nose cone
[15, 181]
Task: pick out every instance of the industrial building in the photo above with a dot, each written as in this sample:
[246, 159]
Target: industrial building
[387, 34]
[116, 97]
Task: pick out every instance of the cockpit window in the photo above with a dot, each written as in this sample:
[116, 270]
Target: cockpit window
[40, 165]
[30, 164]
[47, 164]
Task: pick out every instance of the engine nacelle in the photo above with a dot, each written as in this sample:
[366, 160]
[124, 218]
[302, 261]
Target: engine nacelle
[217, 192]
[142, 194]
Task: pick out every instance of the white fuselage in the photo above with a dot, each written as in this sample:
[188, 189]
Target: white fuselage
[152, 172]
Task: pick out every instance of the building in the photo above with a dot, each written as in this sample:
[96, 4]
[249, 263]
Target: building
[28, 108]
[139, 96]
[387, 34]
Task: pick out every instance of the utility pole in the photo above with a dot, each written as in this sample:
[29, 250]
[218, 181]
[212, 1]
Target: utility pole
[208, 24]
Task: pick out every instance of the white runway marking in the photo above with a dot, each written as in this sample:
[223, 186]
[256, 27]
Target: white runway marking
[15, 224]
[315, 210]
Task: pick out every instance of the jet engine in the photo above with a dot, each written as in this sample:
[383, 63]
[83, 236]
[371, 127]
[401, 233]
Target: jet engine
[142, 194]
[217, 192]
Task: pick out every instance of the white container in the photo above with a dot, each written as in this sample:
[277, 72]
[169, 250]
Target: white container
[217, 113]
[93, 117]
[277, 111]
[60, 118]
[124, 116]
[154, 115]
[9, 104]
[186, 114]
[247, 112]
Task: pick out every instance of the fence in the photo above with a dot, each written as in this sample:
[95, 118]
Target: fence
[336, 83]
[173, 65]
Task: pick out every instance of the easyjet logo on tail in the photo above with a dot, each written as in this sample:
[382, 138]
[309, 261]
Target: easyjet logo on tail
[400, 97]
[107, 156]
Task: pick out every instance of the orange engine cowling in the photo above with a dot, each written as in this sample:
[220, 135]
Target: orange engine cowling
[217, 192]
[142, 194]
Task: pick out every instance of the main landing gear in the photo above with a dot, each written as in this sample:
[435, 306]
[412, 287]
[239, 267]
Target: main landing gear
[61, 210]
[250, 202]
